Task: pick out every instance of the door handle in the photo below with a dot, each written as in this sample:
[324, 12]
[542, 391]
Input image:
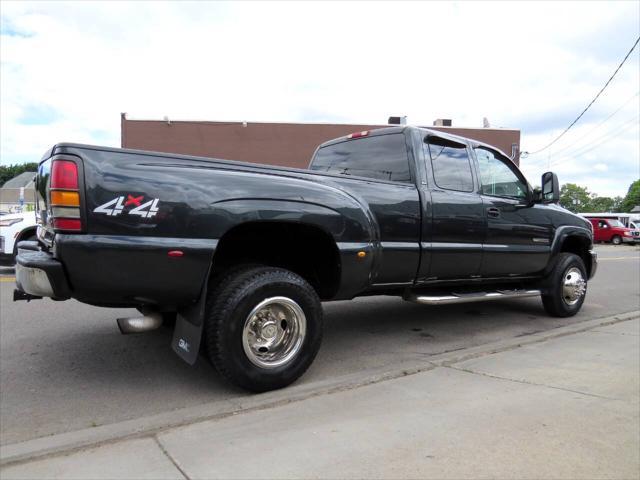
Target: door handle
[493, 212]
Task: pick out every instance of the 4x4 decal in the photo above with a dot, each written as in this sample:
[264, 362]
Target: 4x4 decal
[117, 206]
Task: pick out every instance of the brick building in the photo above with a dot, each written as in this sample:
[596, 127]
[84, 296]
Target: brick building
[284, 144]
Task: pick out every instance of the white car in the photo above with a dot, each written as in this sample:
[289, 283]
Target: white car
[635, 231]
[14, 228]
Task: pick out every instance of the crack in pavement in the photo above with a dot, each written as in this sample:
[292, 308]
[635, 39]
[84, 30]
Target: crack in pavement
[171, 459]
[526, 382]
[617, 333]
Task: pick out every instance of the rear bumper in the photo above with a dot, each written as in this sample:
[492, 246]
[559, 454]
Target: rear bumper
[594, 263]
[39, 274]
[115, 270]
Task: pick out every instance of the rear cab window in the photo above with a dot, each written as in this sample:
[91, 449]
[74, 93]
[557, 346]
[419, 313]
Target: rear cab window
[380, 157]
[450, 164]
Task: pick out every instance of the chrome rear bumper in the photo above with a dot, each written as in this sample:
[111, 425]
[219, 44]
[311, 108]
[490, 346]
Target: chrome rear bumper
[39, 274]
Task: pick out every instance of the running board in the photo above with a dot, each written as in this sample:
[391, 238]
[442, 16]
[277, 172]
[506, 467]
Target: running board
[470, 297]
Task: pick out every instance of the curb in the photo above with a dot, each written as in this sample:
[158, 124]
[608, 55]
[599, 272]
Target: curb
[151, 425]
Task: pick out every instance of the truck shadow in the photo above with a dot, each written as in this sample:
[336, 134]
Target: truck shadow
[355, 332]
[380, 331]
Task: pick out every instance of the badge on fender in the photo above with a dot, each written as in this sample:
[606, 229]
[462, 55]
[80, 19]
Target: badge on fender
[117, 206]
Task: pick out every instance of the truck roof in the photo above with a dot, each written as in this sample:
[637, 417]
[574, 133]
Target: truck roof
[402, 128]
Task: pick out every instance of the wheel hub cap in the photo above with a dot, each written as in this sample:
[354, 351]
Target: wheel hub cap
[574, 286]
[273, 332]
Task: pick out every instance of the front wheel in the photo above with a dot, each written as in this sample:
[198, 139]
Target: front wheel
[616, 240]
[566, 286]
[263, 327]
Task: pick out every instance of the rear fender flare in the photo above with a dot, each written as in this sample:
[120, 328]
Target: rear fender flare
[350, 228]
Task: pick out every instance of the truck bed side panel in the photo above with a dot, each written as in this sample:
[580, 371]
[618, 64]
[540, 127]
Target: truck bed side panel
[140, 206]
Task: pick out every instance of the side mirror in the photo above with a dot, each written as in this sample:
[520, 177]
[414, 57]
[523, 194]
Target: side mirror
[550, 188]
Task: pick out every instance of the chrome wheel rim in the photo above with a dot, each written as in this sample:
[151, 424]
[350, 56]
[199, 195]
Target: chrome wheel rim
[574, 286]
[273, 332]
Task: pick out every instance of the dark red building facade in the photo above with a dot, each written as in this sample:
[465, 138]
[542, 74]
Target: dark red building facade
[284, 144]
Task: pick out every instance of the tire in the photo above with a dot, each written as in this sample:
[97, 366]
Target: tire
[566, 286]
[616, 240]
[263, 327]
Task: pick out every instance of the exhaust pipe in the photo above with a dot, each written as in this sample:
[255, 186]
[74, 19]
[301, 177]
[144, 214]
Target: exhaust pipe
[149, 322]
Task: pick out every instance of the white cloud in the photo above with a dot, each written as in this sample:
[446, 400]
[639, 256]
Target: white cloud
[348, 62]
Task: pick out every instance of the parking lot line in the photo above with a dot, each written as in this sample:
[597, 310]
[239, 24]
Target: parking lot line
[7, 279]
[618, 258]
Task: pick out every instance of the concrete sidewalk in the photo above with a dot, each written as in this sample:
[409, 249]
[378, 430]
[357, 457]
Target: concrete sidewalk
[565, 407]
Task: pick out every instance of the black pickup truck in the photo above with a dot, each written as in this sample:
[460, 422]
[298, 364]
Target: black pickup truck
[241, 256]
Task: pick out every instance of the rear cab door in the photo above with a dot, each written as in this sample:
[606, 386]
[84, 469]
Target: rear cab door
[454, 223]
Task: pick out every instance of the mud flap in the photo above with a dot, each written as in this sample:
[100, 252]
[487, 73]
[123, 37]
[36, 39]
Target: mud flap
[187, 334]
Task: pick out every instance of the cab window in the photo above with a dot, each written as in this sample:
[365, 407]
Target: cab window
[382, 157]
[496, 177]
[450, 164]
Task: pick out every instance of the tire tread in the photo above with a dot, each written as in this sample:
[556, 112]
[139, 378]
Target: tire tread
[227, 291]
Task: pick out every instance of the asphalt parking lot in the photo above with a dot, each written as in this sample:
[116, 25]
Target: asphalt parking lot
[66, 367]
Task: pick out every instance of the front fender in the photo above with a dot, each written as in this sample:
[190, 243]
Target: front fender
[563, 233]
[566, 231]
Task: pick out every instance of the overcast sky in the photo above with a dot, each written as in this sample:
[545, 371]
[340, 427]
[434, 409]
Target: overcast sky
[69, 69]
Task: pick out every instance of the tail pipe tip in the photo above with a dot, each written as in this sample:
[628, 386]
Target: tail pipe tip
[150, 321]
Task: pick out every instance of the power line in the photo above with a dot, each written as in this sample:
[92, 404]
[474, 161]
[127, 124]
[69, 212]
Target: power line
[613, 133]
[597, 126]
[600, 141]
[590, 103]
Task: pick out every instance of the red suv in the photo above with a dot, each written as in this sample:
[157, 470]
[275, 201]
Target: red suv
[611, 230]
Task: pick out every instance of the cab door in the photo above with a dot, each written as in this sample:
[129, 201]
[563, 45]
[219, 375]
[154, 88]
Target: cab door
[604, 231]
[519, 233]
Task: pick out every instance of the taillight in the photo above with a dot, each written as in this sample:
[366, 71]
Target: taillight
[64, 196]
[64, 175]
[67, 224]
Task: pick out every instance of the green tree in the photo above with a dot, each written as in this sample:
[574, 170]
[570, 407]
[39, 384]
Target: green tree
[601, 204]
[7, 172]
[575, 198]
[617, 204]
[632, 198]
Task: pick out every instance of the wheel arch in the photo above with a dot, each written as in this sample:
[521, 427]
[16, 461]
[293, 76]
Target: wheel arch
[23, 235]
[574, 240]
[304, 248]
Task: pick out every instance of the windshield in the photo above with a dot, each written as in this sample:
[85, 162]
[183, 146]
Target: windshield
[616, 223]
